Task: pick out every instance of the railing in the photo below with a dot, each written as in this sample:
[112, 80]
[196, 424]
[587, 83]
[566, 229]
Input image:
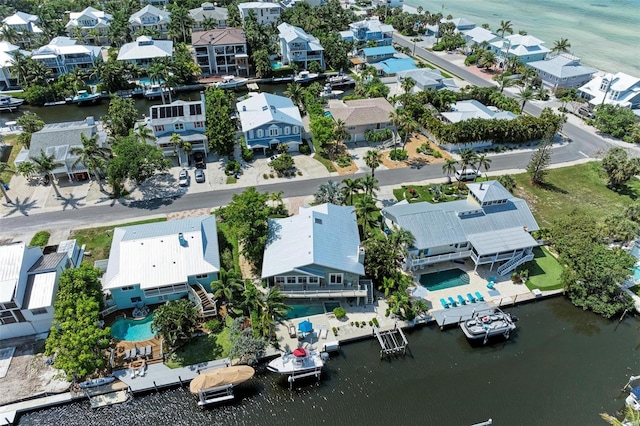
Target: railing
[359, 291]
[427, 260]
[513, 263]
[109, 310]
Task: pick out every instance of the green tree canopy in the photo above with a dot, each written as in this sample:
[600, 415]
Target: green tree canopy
[121, 117]
[220, 132]
[619, 167]
[175, 321]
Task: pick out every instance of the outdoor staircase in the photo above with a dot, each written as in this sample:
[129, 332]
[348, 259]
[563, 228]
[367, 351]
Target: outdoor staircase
[514, 263]
[369, 286]
[205, 303]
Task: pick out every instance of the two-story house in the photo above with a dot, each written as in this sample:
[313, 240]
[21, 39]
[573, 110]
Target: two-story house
[265, 12]
[620, 89]
[184, 118]
[269, 120]
[25, 26]
[361, 115]
[29, 285]
[221, 51]
[316, 255]
[562, 71]
[150, 18]
[298, 47]
[63, 54]
[369, 30]
[491, 227]
[524, 47]
[157, 262]
[142, 51]
[7, 52]
[427, 79]
[208, 17]
[93, 25]
[372, 55]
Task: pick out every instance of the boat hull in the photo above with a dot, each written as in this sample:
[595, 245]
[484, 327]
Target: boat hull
[7, 103]
[485, 325]
[289, 364]
[96, 382]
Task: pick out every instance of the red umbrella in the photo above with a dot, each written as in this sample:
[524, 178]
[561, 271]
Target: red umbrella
[300, 352]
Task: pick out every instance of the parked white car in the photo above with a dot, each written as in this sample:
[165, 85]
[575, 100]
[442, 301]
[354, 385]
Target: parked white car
[184, 178]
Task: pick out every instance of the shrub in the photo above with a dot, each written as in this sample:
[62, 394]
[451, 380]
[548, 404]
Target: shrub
[232, 167]
[265, 176]
[375, 322]
[247, 154]
[363, 324]
[378, 136]
[335, 331]
[339, 312]
[470, 60]
[299, 172]
[370, 323]
[40, 239]
[305, 149]
[398, 154]
[213, 326]
[343, 161]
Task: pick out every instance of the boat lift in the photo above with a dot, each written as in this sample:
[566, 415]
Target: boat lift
[392, 341]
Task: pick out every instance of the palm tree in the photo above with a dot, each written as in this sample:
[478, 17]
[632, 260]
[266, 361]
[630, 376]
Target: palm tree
[401, 239]
[407, 84]
[251, 298]
[208, 23]
[631, 418]
[273, 304]
[5, 169]
[227, 286]
[144, 134]
[351, 187]
[488, 59]
[340, 133]
[388, 285]
[373, 159]
[329, 192]
[561, 45]
[93, 157]
[467, 158]
[366, 211]
[483, 161]
[158, 73]
[449, 167]
[525, 95]
[408, 127]
[295, 92]
[508, 182]
[46, 164]
[181, 23]
[504, 81]
[370, 185]
[20, 67]
[505, 27]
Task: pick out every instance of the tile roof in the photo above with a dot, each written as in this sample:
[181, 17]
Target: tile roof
[218, 37]
[359, 112]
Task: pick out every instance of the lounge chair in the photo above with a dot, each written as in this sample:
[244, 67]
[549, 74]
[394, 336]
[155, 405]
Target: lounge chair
[147, 350]
[490, 285]
[444, 303]
[324, 332]
[479, 296]
[452, 302]
[127, 354]
[471, 298]
[461, 300]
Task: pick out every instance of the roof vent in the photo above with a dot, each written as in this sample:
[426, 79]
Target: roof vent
[183, 242]
[244, 107]
[318, 221]
[265, 107]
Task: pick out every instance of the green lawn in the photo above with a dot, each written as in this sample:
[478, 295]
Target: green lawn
[544, 271]
[98, 240]
[15, 149]
[425, 193]
[201, 349]
[635, 289]
[581, 187]
[321, 157]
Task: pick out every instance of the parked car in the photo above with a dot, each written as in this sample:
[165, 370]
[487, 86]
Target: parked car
[468, 174]
[198, 160]
[199, 174]
[273, 158]
[585, 112]
[183, 178]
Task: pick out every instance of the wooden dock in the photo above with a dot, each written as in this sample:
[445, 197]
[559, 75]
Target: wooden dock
[392, 342]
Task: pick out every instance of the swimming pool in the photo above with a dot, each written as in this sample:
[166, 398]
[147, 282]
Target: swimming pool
[303, 311]
[330, 306]
[132, 330]
[636, 273]
[444, 279]
[276, 65]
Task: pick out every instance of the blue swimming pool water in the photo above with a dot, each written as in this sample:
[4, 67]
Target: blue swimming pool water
[276, 65]
[132, 330]
[635, 251]
[303, 311]
[444, 279]
[636, 273]
[330, 306]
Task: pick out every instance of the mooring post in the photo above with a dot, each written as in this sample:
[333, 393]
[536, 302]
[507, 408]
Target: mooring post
[155, 386]
[180, 380]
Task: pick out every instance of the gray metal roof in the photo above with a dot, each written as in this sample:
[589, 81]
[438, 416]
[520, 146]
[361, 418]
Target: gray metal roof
[40, 290]
[489, 191]
[47, 262]
[60, 136]
[324, 236]
[562, 67]
[503, 240]
[430, 226]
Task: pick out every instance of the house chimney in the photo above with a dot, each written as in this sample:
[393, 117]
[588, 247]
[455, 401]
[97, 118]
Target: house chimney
[361, 254]
[244, 108]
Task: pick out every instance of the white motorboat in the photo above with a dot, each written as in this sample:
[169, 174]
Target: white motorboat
[156, 91]
[8, 103]
[487, 323]
[231, 82]
[85, 98]
[215, 385]
[328, 92]
[633, 400]
[301, 362]
[96, 382]
[306, 77]
[341, 80]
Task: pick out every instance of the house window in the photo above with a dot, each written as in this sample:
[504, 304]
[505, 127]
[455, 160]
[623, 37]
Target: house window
[195, 109]
[335, 278]
[178, 126]
[296, 130]
[302, 280]
[273, 131]
[163, 298]
[202, 276]
[158, 128]
[136, 299]
[313, 280]
[39, 311]
[127, 288]
[287, 130]
[279, 280]
[198, 124]
[260, 133]
[291, 280]
[250, 134]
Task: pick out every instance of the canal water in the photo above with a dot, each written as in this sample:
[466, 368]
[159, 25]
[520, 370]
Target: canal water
[562, 366]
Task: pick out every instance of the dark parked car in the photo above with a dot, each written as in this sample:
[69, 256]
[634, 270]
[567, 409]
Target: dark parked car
[198, 159]
[199, 175]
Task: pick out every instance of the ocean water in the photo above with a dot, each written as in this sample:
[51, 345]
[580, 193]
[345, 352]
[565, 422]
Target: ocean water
[604, 33]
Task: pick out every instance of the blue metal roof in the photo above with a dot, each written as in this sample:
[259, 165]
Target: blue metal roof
[380, 50]
[395, 65]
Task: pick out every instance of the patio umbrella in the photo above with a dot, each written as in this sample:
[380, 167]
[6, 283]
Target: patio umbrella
[300, 352]
[305, 326]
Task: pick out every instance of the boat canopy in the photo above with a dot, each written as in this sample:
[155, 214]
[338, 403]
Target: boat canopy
[221, 377]
[636, 392]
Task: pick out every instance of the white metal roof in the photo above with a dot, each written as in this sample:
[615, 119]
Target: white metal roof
[11, 256]
[266, 108]
[145, 48]
[40, 290]
[501, 240]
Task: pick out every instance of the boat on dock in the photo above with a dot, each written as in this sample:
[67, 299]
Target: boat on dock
[341, 80]
[488, 323]
[328, 92]
[231, 82]
[9, 103]
[85, 98]
[156, 91]
[96, 382]
[298, 364]
[55, 103]
[306, 77]
[217, 385]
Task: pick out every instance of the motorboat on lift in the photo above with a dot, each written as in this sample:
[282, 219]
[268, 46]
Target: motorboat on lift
[341, 80]
[300, 361]
[85, 98]
[231, 82]
[328, 92]
[8, 103]
[216, 385]
[305, 77]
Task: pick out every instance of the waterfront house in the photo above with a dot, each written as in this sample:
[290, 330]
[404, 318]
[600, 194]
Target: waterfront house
[562, 71]
[156, 262]
[298, 47]
[427, 79]
[371, 55]
[467, 110]
[184, 118]
[392, 66]
[265, 12]
[26, 27]
[150, 18]
[460, 25]
[361, 115]
[208, 13]
[7, 79]
[479, 36]
[490, 227]
[142, 51]
[92, 24]
[63, 54]
[221, 51]
[524, 47]
[387, 3]
[620, 90]
[28, 288]
[369, 30]
[269, 120]
[59, 139]
[316, 254]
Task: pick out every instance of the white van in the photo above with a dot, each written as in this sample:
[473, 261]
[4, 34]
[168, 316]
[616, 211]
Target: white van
[468, 174]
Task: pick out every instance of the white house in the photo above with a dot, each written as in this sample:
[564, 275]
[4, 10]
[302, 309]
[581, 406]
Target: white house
[28, 288]
[142, 51]
[562, 71]
[7, 50]
[208, 12]
[161, 261]
[63, 54]
[466, 110]
[296, 46]
[26, 25]
[269, 120]
[427, 79]
[151, 18]
[221, 51]
[620, 89]
[491, 227]
[304, 260]
[524, 47]
[369, 30]
[90, 21]
[479, 36]
[265, 12]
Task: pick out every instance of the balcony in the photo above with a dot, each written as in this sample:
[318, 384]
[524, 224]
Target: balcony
[303, 291]
[415, 261]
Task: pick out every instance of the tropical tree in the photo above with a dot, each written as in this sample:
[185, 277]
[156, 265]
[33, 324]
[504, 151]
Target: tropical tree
[181, 23]
[30, 123]
[373, 159]
[370, 185]
[144, 134]
[561, 45]
[227, 287]
[483, 162]
[619, 167]
[329, 192]
[367, 213]
[488, 59]
[245, 347]
[407, 84]
[208, 23]
[505, 27]
[5, 169]
[175, 321]
[631, 418]
[273, 304]
[388, 285]
[504, 81]
[158, 71]
[46, 164]
[449, 168]
[296, 93]
[468, 158]
[525, 95]
[508, 181]
[340, 133]
[401, 239]
[92, 156]
[539, 163]
[351, 187]
[27, 169]
[251, 301]
[121, 116]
